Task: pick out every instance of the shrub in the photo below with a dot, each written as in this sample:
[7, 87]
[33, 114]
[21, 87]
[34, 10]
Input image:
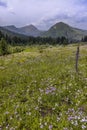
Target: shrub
[3, 47]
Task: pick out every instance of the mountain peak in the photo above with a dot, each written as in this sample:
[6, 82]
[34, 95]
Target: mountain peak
[10, 26]
[61, 24]
[30, 27]
[30, 30]
[60, 29]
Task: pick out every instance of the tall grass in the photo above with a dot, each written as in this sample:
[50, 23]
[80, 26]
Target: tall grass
[39, 89]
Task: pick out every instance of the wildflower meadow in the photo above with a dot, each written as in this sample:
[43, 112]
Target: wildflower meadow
[40, 89]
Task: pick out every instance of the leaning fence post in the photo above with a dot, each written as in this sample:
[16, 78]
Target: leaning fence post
[77, 59]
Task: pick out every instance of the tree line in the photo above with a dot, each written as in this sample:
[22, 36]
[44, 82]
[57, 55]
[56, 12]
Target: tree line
[30, 40]
[84, 39]
[6, 40]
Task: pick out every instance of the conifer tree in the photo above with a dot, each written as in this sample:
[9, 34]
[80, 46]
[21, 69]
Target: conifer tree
[3, 47]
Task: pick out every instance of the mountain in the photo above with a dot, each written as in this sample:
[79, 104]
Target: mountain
[29, 30]
[11, 33]
[58, 30]
[62, 29]
[11, 28]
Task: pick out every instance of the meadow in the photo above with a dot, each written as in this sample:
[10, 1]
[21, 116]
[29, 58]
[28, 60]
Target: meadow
[40, 89]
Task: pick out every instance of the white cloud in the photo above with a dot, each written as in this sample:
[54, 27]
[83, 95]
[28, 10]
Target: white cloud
[44, 13]
[3, 4]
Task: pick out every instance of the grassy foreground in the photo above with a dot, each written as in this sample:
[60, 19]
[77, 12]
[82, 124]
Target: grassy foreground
[39, 89]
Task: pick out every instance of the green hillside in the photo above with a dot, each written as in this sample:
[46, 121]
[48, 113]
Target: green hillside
[61, 29]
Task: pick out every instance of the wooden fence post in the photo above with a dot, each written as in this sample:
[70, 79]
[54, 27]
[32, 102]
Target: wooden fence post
[77, 59]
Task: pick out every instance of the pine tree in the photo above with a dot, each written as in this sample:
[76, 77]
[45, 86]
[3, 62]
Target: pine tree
[3, 47]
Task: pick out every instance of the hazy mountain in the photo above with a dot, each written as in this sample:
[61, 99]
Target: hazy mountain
[58, 30]
[10, 32]
[62, 29]
[29, 30]
[11, 28]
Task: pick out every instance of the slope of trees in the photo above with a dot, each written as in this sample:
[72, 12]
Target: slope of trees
[1, 35]
[84, 39]
[3, 47]
[34, 40]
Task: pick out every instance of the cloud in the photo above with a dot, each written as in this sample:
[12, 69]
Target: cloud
[3, 4]
[73, 13]
[44, 13]
[11, 10]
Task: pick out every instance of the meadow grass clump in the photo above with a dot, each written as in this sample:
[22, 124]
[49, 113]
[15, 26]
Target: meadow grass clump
[42, 90]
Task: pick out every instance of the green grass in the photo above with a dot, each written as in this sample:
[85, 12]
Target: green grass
[39, 89]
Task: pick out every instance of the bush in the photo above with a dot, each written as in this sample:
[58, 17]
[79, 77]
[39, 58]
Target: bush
[17, 49]
[3, 47]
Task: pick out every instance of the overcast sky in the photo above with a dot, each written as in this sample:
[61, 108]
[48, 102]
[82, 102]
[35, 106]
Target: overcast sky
[43, 13]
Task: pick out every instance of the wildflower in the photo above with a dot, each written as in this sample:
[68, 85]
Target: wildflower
[20, 119]
[29, 113]
[45, 123]
[0, 127]
[56, 105]
[50, 127]
[11, 118]
[12, 128]
[6, 112]
[53, 108]
[65, 129]
[83, 120]
[76, 123]
[58, 119]
[41, 126]
[83, 127]
[50, 90]
[70, 118]
[36, 108]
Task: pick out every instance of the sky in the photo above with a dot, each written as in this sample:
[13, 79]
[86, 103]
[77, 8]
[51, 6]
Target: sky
[43, 13]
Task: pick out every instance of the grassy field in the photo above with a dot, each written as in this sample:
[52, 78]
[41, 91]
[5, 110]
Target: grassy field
[40, 90]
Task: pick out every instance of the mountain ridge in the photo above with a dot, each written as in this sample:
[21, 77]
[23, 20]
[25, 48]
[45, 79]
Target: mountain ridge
[57, 30]
[62, 29]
